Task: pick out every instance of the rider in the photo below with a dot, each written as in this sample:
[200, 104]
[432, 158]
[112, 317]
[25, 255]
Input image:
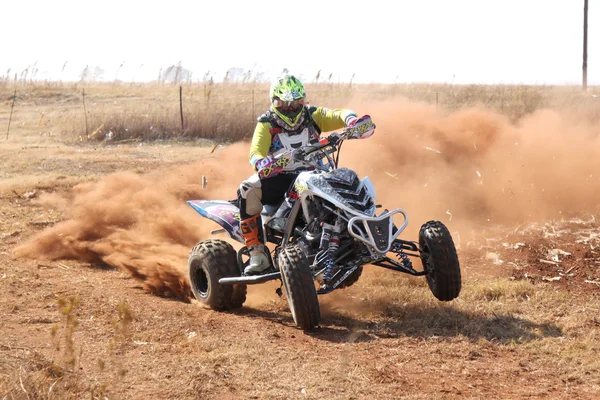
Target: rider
[288, 124]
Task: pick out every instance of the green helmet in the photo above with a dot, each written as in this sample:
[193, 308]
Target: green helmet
[287, 99]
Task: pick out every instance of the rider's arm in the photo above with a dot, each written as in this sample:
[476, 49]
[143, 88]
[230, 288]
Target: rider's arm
[261, 142]
[331, 119]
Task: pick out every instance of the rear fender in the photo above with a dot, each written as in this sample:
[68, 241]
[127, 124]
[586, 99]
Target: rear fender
[223, 213]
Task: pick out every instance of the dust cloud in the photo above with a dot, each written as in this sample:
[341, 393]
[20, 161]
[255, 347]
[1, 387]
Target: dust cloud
[466, 168]
[140, 223]
[474, 167]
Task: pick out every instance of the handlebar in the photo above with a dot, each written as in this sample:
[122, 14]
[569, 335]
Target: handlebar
[333, 139]
[279, 160]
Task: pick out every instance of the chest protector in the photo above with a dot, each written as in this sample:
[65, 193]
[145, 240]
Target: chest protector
[308, 132]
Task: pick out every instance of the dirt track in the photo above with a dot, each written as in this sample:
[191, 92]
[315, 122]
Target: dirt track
[526, 325]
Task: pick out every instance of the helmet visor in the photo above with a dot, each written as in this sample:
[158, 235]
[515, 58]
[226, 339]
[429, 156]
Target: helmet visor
[288, 109]
[294, 105]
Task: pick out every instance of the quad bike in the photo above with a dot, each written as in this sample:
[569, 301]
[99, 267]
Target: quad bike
[330, 233]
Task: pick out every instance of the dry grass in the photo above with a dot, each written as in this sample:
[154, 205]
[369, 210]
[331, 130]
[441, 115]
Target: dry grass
[29, 374]
[227, 112]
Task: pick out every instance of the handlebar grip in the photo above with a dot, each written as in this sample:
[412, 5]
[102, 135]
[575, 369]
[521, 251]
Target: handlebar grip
[311, 149]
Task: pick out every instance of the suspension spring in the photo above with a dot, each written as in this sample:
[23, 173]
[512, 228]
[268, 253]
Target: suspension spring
[402, 256]
[334, 244]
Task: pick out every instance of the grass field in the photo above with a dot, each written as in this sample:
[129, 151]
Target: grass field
[228, 112]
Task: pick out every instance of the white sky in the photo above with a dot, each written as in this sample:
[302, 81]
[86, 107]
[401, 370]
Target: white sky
[460, 41]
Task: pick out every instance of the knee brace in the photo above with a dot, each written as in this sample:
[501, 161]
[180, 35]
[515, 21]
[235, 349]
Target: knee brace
[250, 199]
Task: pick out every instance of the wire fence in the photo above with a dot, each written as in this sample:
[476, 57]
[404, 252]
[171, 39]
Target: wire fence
[228, 112]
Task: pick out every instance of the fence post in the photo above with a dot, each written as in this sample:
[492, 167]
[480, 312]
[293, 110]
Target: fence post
[585, 39]
[85, 112]
[11, 111]
[181, 105]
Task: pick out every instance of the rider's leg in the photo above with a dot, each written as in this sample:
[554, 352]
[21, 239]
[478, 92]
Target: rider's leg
[253, 193]
[279, 191]
[250, 202]
[256, 248]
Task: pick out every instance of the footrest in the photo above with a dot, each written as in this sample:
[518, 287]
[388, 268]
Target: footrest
[251, 280]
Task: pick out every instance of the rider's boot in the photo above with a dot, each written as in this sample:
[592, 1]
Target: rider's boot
[258, 257]
[258, 260]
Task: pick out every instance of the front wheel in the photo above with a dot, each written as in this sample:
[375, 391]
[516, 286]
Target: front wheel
[209, 261]
[440, 260]
[299, 287]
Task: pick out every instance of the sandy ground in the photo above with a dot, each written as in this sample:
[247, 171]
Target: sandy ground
[94, 241]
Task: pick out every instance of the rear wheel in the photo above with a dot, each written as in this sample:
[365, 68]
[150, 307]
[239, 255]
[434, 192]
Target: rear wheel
[299, 287]
[209, 261]
[440, 260]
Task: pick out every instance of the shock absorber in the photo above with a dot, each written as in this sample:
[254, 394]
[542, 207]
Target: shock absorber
[334, 244]
[402, 256]
[326, 235]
